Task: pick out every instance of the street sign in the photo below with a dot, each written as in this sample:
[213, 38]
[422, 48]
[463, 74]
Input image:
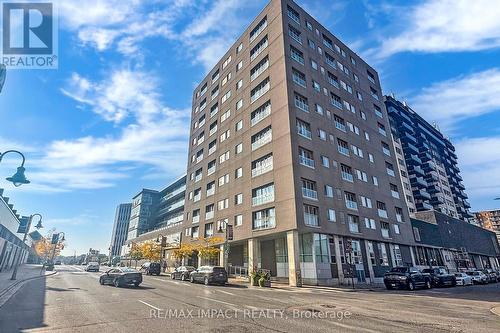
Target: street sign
[55, 238]
[23, 225]
[229, 232]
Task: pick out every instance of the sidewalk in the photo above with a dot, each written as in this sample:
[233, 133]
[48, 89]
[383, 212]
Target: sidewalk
[24, 272]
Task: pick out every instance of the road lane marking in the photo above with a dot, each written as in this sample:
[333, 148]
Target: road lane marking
[151, 306]
[226, 292]
[231, 305]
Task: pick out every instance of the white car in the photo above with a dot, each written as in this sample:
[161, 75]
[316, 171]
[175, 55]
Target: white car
[478, 277]
[463, 279]
[92, 267]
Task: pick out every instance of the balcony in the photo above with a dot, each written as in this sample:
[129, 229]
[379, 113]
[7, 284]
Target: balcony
[309, 194]
[211, 170]
[306, 161]
[385, 233]
[211, 191]
[262, 169]
[351, 204]
[418, 182]
[423, 206]
[437, 199]
[196, 219]
[410, 147]
[262, 141]
[431, 177]
[263, 199]
[429, 165]
[410, 137]
[416, 169]
[421, 194]
[425, 156]
[413, 160]
[395, 194]
[209, 215]
[382, 213]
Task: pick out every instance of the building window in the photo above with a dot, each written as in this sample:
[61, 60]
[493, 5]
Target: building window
[209, 230]
[238, 199]
[238, 173]
[331, 215]
[263, 219]
[384, 259]
[295, 34]
[385, 229]
[371, 253]
[330, 60]
[260, 113]
[386, 149]
[343, 147]
[353, 222]
[346, 173]
[382, 210]
[223, 204]
[394, 191]
[396, 229]
[366, 202]
[259, 68]
[311, 215]
[321, 248]
[239, 104]
[215, 75]
[399, 214]
[328, 191]
[390, 169]
[304, 129]
[223, 180]
[210, 188]
[239, 125]
[297, 55]
[306, 247]
[259, 48]
[350, 200]
[416, 234]
[261, 138]
[258, 29]
[301, 102]
[260, 90]
[370, 223]
[262, 165]
[309, 189]
[211, 167]
[299, 78]
[209, 211]
[293, 14]
[196, 216]
[263, 194]
[306, 157]
[238, 220]
[325, 161]
[339, 123]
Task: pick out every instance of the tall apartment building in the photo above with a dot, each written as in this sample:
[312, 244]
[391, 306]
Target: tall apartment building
[290, 144]
[120, 228]
[428, 163]
[144, 205]
[489, 219]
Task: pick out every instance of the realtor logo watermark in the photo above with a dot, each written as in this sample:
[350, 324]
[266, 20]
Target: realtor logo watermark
[29, 35]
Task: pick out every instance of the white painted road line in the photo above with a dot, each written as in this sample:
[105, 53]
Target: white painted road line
[226, 292]
[231, 305]
[151, 306]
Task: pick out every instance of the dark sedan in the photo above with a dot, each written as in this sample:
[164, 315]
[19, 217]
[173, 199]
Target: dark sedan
[121, 276]
[182, 273]
[407, 278]
[440, 277]
[209, 275]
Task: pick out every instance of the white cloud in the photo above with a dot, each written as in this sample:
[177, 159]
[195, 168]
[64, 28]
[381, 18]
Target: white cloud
[445, 26]
[480, 167]
[460, 98]
[154, 136]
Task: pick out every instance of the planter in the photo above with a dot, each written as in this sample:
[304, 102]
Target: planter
[254, 280]
[262, 282]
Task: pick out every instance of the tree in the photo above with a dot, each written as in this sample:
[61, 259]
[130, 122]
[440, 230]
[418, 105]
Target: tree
[151, 251]
[44, 248]
[207, 249]
[136, 253]
[185, 251]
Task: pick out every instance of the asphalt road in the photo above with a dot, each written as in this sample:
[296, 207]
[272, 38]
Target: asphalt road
[73, 301]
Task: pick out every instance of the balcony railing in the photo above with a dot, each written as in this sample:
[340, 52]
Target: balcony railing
[262, 141]
[382, 213]
[351, 204]
[209, 215]
[310, 194]
[263, 199]
[262, 169]
[306, 161]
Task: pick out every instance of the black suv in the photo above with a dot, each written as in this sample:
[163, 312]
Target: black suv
[407, 278]
[441, 277]
[152, 268]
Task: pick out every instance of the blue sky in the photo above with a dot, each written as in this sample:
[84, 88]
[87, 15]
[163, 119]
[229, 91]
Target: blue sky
[114, 117]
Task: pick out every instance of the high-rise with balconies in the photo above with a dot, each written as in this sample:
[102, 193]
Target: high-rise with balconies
[428, 163]
[291, 145]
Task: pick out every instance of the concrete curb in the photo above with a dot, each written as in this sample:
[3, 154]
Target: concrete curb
[18, 283]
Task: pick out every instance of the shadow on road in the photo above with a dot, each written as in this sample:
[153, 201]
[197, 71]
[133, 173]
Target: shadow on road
[25, 309]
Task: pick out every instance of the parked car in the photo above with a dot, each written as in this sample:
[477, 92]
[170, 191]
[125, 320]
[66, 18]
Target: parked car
[407, 278]
[151, 268]
[463, 279]
[58, 262]
[209, 275]
[498, 275]
[440, 277]
[121, 276]
[92, 267]
[49, 266]
[491, 274]
[478, 277]
[182, 273]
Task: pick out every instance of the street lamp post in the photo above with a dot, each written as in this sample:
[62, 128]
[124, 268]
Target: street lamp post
[226, 241]
[18, 178]
[131, 246]
[160, 239]
[38, 226]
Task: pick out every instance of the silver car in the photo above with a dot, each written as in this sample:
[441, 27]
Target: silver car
[463, 279]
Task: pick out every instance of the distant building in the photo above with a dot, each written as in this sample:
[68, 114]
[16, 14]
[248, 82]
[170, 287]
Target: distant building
[12, 248]
[156, 214]
[120, 228]
[489, 219]
[446, 241]
[427, 162]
